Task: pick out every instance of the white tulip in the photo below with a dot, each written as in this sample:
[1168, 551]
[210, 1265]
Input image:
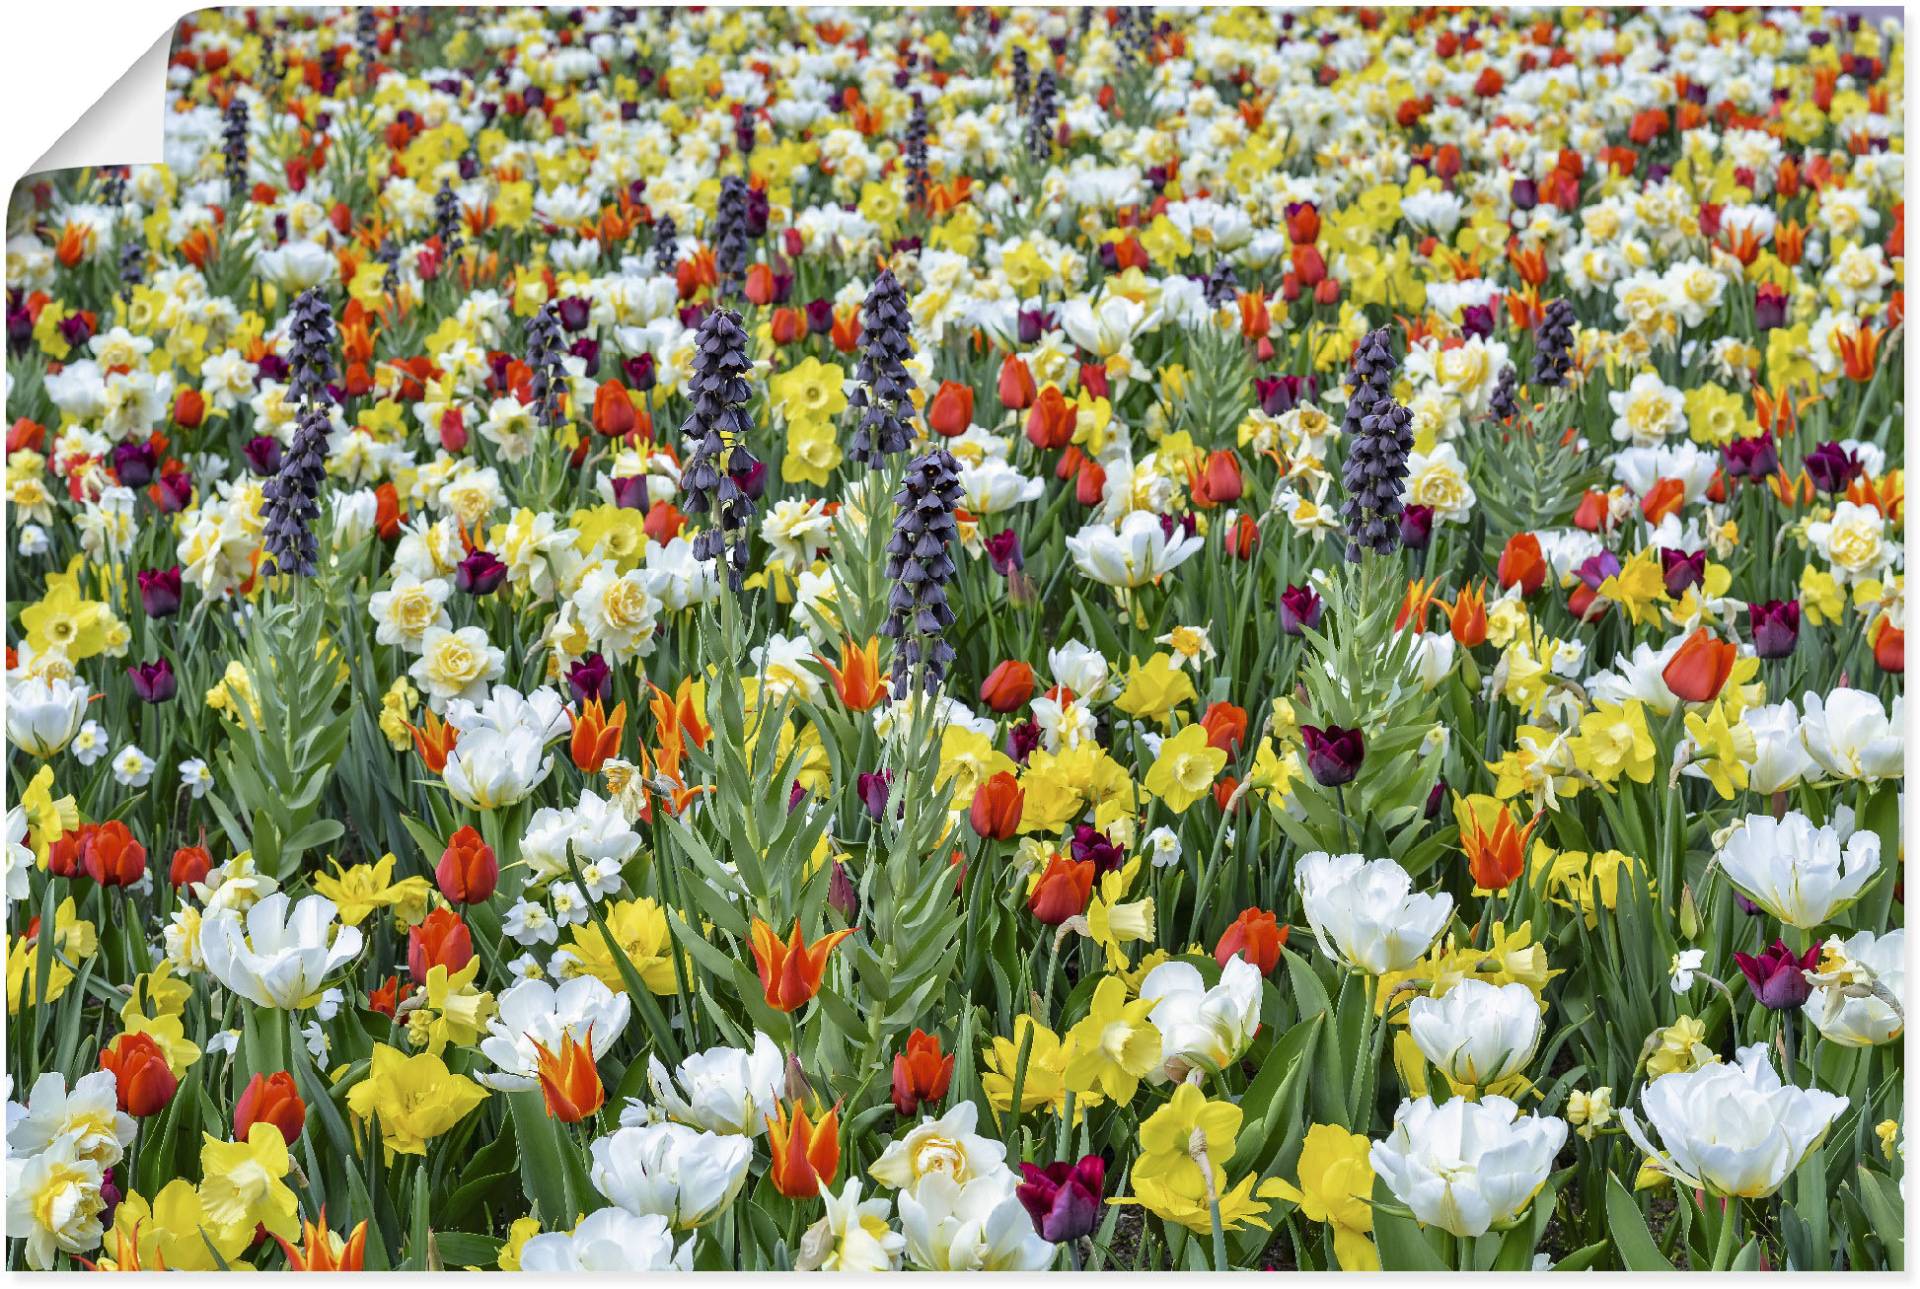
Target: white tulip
[970, 1226]
[723, 1089]
[278, 957]
[1732, 1129]
[1467, 1167]
[1476, 1033]
[1133, 556]
[1364, 912]
[534, 1011]
[1780, 758]
[609, 1240]
[489, 770]
[44, 714]
[685, 1175]
[1798, 870]
[1850, 736]
[1201, 1028]
[1844, 1007]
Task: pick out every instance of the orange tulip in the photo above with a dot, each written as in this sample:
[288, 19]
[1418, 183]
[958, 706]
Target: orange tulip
[1467, 615]
[1226, 727]
[433, 741]
[1496, 850]
[1522, 564]
[761, 286]
[613, 413]
[806, 1154]
[1062, 890]
[921, 1073]
[997, 806]
[142, 1078]
[1050, 422]
[1860, 353]
[1008, 686]
[325, 1251]
[1664, 498]
[1700, 668]
[790, 973]
[1889, 646]
[950, 411]
[1017, 390]
[596, 736]
[273, 1099]
[1217, 482]
[858, 679]
[1255, 935]
[568, 1079]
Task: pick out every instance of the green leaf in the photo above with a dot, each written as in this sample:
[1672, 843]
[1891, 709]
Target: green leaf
[1881, 1199]
[1402, 1246]
[1631, 1239]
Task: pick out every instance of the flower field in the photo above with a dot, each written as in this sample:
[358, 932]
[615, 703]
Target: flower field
[964, 639]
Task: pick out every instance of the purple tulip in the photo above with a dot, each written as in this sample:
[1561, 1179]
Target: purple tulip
[1775, 627]
[153, 682]
[133, 463]
[1334, 755]
[1778, 976]
[1004, 553]
[1596, 569]
[1034, 323]
[1682, 569]
[1753, 458]
[480, 573]
[1300, 609]
[263, 455]
[159, 591]
[1064, 1200]
[630, 492]
[1022, 739]
[1769, 308]
[173, 492]
[1476, 320]
[1435, 800]
[1090, 843]
[574, 312]
[590, 679]
[1416, 527]
[1280, 394]
[1832, 468]
[1525, 194]
[752, 480]
[819, 316]
[841, 895]
[873, 789]
[639, 371]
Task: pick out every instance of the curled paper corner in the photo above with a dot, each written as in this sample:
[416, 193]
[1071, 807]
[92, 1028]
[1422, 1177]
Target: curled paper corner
[125, 125]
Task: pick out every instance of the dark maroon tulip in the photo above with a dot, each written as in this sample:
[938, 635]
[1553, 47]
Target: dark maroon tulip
[1525, 194]
[590, 679]
[1778, 976]
[480, 573]
[1033, 323]
[1064, 1200]
[1769, 307]
[841, 895]
[795, 795]
[1022, 739]
[640, 373]
[1682, 569]
[159, 591]
[1090, 843]
[172, 492]
[1476, 321]
[1333, 754]
[1832, 468]
[1775, 627]
[1416, 527]
[1754, 458]
[1435, 800]
[133, 463]
[1300, 609]
[263, 454]
[574, 312]
[1004, 553]
[751, 480]
[153, 682]
[873, 790]
[1280, 394]
[76, 329]
[1596, 569]
[819, 316]
[630, 492]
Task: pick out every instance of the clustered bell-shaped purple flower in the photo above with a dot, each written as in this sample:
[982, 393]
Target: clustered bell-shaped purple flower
[920, 564]
[715, 435]
[916, 154]
[233, 143]
[666, 250]
[883, 399]
[446, 218]
[1502, 404]
[1022, 85]
[310, 365]
[1553, 347]
[1040, 119]
[292, 495]
[731, 235]
[1381, 437]
[545, 347]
